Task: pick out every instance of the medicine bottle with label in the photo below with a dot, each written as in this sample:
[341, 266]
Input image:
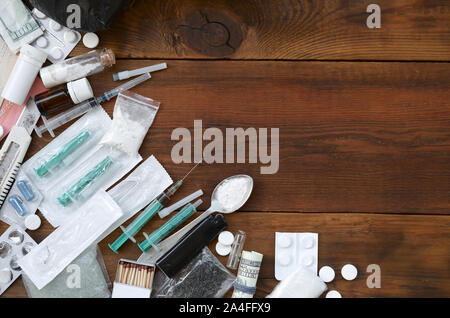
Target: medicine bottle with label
[77, 67]
[64, 96]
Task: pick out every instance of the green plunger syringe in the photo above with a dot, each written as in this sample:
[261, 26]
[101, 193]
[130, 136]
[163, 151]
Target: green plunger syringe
[154, 238]
[66, 150]
[149, 212]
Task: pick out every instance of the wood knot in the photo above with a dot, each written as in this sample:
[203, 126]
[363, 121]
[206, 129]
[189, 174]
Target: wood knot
[211, 33]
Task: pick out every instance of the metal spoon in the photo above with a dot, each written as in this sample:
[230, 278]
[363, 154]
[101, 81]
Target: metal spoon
[216, 206]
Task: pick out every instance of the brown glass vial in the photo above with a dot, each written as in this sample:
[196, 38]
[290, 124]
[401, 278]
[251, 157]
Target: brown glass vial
[64, 96]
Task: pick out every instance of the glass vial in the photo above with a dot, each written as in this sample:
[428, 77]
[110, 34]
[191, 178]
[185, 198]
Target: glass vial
[23, 74]
[63, 96]
[77, 67]
[236, 250]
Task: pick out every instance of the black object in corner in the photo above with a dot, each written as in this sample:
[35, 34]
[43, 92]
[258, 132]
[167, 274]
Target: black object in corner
[94, 14]
[191, 244]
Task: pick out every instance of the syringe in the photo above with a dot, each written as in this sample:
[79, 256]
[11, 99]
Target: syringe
[78, 110]
[153, 239]
[149, 212]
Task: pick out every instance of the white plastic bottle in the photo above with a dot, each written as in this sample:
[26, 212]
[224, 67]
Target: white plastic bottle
[23, 74]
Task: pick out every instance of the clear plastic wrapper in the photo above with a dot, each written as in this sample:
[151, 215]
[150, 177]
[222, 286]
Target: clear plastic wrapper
[97, 172]
[203, 277]
[46, 167]
[86, 275]
[133, 116]
[141, 187]
[68, 241]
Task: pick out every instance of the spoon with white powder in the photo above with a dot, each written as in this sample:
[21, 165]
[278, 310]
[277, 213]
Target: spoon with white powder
[227, 197]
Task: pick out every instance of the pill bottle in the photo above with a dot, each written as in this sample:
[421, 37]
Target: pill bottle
[23, 74]
[63, 96]
[77, 67]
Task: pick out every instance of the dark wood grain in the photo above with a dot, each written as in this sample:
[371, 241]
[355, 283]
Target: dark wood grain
[413, 251]
[281, 29]
[354, 137]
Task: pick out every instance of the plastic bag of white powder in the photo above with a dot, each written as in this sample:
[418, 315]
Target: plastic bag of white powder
[133, 115]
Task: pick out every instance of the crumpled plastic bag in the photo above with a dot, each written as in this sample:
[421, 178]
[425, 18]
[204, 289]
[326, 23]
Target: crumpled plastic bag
[95, 14]
[203, 277]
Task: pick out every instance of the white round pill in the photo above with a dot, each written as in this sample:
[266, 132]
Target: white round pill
[70, 36]
[39, 14]
[42, 42]
[226, 238]
[57, 53]
[5, 276]
[284, 260]
[55, 26]
[32, 222]
[349, 272]
[223, 250]
[333, 294]
[327, 274]
[307, 242]
[90, 40]
[284, 241]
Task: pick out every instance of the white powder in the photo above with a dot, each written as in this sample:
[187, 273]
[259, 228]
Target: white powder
[125, 134]
[232, 192]
[61, 73]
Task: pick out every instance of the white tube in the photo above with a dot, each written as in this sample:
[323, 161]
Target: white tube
[166, 211]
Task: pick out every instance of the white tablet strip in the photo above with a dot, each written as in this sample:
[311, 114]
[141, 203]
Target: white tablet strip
[293, 250]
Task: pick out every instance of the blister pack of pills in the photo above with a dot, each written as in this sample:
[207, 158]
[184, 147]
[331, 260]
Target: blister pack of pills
[293, 250]
[57, 41]
[14, 244]
[23, 200]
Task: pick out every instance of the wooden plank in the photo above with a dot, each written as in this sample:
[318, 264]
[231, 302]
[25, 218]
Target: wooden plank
[412, 250]
[354, 137]
[294, 30]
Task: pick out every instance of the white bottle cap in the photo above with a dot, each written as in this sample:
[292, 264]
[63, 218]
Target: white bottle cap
[226, 238]
[90, 40]
[23, 74]
[333, 294]
[349, 272]
[32, 222]
[80, 90]
[327, 274]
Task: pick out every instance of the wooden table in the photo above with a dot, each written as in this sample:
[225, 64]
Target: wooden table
[363, 115]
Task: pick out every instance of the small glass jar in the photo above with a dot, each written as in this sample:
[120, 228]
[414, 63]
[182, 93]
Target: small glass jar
[64, 96]
[77, 67]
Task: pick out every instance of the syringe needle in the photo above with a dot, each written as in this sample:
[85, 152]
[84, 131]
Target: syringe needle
[171, 191]
[187, 174]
